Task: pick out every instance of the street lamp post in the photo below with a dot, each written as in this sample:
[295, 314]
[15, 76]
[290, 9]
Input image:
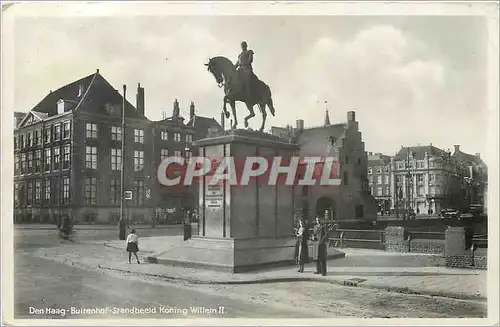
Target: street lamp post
[122, 170]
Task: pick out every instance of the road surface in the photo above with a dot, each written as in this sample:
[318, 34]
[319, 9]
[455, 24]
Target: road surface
[42, 283]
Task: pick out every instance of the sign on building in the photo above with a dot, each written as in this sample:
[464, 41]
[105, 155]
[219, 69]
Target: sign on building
[128, 195]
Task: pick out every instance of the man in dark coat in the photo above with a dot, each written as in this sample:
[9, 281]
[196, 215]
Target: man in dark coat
[317, 234]
[322, 250]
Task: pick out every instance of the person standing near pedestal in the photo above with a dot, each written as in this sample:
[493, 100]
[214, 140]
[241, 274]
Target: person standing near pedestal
[317, 234]
[303, 252]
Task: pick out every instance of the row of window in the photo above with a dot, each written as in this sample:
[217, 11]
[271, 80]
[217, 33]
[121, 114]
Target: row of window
[419, 178]
[385, 191]
[403, 165]
[54, 191]
[91, 191]
[91, 132]
[116, 158]
[54, 159]
[50, 191]
[50, 134]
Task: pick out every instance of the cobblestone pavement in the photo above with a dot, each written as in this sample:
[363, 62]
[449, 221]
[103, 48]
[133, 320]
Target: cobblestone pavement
[307, 299]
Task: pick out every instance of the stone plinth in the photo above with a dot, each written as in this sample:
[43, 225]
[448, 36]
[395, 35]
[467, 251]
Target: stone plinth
[242, 227]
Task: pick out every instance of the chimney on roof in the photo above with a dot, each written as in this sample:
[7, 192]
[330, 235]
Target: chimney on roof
[478, 155]
[351, 116]
[299, 123]
[327, 119]
[191, 110]
[140, 99]
[176, 111]
[457, 148]
[97, 72]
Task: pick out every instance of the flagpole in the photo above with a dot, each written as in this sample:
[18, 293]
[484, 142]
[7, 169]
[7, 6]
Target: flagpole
[122, 166]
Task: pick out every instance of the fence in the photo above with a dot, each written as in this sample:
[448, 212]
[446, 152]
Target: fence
[397, 239]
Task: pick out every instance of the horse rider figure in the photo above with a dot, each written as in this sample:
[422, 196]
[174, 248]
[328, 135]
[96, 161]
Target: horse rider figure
[244, 67]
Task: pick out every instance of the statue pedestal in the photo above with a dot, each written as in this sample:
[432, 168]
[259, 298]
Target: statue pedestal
[241, 227]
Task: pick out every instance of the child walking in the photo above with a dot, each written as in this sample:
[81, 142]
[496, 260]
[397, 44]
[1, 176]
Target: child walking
[132, 245]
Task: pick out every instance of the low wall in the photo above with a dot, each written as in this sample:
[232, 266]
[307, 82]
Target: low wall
[461, 252]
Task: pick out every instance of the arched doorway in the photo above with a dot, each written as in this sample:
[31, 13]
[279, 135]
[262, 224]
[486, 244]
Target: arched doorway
[326, 203]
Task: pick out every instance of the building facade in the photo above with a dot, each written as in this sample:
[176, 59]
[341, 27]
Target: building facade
[380, 180]
[349, 201]
[68, 156]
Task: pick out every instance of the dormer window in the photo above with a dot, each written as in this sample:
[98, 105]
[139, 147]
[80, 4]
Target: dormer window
[60, 106]
[112, 109]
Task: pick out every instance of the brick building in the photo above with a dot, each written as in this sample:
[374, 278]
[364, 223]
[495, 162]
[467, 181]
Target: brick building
[379, 180]
[349, 201]
[68, 155]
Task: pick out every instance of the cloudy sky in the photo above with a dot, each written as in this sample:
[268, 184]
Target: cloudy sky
[411, 79]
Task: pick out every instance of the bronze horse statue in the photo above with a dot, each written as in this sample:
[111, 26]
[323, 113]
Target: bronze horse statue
[227, 76]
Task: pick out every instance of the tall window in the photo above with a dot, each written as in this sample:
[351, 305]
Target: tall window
[138, 160]
[66, 156]
[30, 161]
[379, 179]
[48, 159]
[57, 158]
[139, 191]
[189, 138]
[114, 191]
[67, 130]
[187, 154]
[57, 191]
[138, 135]
[164, 135]
[177, 137]
[431, 178]
[91, 157]
[16, 164]
[57, 132]
[16, 142]
[23, 163]
[47, 134]
[177, 153]
[21, 141]
[379, 191]
[65, 190]
[38, 137]
[91, 130]
[16, 194]
[29, 200]
[38, 191]
[90, 192]
[346, 178]
[164, 154]
[420, 178]
[38, 161]
[116, 159]
[116, 133]
[386, 179]
[28, 139]
[47, 190]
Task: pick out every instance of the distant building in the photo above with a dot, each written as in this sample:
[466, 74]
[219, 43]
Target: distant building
[350, 200]
[425, 179]
[380, 180]
[474, 172]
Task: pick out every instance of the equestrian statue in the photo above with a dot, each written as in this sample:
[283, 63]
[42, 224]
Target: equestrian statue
[241, 84]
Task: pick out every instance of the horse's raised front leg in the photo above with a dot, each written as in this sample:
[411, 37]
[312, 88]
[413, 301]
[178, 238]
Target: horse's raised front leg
[262, 107]
[233, 109]
[251, 115]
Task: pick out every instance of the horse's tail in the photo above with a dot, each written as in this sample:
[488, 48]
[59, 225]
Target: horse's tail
[269, 102]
